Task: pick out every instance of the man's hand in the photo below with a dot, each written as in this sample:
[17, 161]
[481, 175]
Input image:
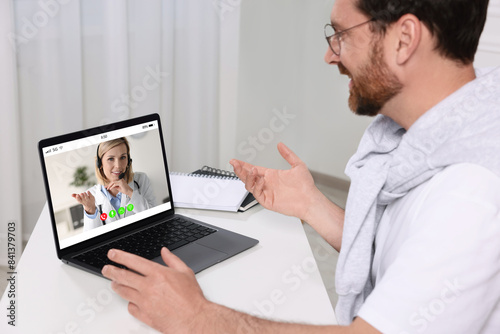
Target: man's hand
[286, 191]
[168, 299]
[292, 192]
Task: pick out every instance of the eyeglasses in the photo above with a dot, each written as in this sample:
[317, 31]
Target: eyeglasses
[333, 37]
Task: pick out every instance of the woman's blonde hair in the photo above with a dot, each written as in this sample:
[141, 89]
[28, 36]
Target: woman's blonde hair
[105, 147]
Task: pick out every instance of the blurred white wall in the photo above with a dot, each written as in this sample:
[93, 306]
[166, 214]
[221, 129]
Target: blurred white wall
[489, 46]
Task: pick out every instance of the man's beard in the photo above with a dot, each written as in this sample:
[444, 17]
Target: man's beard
[377, 85]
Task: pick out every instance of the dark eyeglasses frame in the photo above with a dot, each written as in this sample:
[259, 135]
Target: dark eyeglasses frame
[336, 36]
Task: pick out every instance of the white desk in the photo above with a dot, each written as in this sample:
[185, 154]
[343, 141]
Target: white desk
[277, 279]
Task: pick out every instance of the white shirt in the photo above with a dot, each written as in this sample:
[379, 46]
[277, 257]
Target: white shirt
[436, 267]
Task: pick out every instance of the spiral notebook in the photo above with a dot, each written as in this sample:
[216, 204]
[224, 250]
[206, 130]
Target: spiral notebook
[209, 188]
[248, 202]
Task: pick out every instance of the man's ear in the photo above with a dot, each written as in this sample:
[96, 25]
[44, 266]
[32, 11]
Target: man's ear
[408, 30]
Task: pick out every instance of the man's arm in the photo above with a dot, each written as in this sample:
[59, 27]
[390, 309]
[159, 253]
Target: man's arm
[170, 300]
[226, 320]
[327, 218]
[293, 192]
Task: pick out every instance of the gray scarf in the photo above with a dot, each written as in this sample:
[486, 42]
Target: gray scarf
[463, 128]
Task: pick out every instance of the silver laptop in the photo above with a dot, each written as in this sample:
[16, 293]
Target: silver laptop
[137, 213]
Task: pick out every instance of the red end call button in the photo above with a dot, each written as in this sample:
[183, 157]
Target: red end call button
[104, 216]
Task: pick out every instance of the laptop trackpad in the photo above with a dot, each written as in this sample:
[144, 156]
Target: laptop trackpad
[197, 257]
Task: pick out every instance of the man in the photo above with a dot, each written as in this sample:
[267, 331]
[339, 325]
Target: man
[419, 249]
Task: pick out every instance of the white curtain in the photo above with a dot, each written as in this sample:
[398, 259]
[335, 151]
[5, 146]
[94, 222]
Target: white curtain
[84, 63]
[10, 166]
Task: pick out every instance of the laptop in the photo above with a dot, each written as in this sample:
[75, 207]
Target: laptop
[130, 154]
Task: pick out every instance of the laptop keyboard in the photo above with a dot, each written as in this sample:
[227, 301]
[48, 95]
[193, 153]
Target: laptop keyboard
[149, 242]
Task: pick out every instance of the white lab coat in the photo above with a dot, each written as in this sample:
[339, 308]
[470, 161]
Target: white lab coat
[142, 199]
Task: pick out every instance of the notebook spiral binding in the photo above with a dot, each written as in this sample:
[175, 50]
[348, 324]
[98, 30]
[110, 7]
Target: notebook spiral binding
[217, 171]
[211, 173]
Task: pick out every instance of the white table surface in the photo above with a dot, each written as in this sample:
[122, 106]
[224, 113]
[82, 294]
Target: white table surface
[277, 279]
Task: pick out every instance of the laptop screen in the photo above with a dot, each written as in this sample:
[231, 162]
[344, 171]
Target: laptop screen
[105, 181]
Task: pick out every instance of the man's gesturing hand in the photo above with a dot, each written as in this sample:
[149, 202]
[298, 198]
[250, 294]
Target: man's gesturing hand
[168, 299]
[290, 192]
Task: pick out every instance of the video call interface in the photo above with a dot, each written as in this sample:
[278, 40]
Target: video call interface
[106, 181]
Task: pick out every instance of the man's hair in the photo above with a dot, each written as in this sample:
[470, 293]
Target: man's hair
[456, 24]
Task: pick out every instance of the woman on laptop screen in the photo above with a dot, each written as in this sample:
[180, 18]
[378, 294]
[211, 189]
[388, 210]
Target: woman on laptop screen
[120, 192]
